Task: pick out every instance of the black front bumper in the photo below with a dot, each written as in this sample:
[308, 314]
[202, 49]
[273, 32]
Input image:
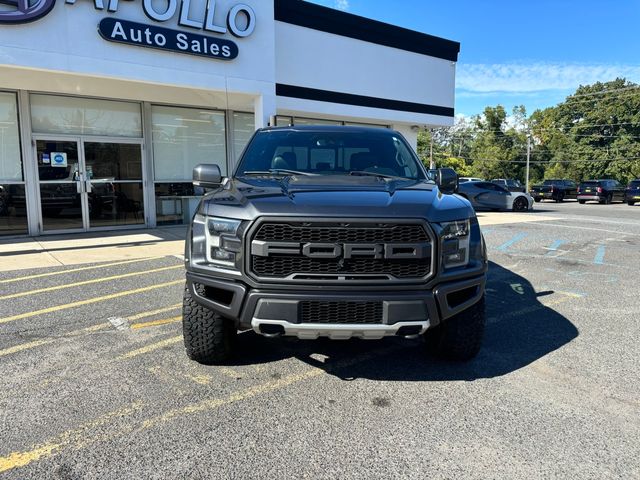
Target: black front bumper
[242, 304]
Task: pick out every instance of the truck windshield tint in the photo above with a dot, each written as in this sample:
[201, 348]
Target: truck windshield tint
[381, 153]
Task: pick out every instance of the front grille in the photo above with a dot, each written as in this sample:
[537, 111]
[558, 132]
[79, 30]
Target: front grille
[297, 267]
[341, 312]
[353, 233]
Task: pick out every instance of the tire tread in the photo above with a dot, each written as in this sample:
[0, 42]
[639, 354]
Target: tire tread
[208, 337]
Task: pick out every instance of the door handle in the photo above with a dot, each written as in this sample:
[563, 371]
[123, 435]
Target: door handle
[79, 186]
[88, 186]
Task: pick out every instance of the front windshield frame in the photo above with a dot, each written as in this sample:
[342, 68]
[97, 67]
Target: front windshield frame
[249, 166]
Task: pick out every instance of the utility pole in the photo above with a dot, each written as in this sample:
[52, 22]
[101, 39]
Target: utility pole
[528, 161]
[432, 165]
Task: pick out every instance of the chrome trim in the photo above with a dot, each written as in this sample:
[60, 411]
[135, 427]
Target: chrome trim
[307, 331]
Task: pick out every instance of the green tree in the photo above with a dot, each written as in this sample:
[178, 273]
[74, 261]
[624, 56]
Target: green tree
[595, 132]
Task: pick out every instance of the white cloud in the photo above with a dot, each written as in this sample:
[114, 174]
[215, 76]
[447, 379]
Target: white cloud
[341, 4]
[536, 77]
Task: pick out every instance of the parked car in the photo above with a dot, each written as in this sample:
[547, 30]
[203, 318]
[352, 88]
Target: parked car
[632, 194]
[510, 184]
[557, 190]
[488, 195]
[602, 191]
[470, 179]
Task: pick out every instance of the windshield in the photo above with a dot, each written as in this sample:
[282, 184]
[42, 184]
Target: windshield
[552, 182]
[635, 184]
[289, 152]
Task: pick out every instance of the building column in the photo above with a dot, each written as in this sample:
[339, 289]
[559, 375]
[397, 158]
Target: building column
[264, 108]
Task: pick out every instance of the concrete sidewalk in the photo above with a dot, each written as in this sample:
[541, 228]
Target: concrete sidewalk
[77, 249]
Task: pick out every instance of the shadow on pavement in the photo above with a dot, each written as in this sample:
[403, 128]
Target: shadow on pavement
[519, 331]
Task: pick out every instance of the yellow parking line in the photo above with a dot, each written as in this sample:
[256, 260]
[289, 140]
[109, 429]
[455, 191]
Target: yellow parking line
[95, 328]
[71, 438]
[81, 269]
[45, 341]
[156, 323]
[154, 312]
[25, 346]
[229, 372]
[89, 282]
[82, 437]
[151, 348]
[89, 301]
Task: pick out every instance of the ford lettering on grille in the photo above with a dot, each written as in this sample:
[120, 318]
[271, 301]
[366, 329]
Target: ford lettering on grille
[347, 251]
[351, 251]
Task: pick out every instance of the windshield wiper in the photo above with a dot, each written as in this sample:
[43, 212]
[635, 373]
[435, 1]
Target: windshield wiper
[375, 174]
[278, 171]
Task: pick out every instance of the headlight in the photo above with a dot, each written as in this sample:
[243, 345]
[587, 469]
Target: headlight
[455, 238]
[223, 245]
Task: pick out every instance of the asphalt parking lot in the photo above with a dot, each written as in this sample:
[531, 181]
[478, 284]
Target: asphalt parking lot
[94, 382]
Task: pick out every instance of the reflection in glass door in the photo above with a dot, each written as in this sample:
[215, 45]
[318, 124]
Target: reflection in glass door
[60, 183]
[114, 183]
[89, 184]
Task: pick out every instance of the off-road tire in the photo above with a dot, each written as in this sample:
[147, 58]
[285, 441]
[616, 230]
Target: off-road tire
[209, 338]
[460, 337]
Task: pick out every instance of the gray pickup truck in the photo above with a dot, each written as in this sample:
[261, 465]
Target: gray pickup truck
[332, 232]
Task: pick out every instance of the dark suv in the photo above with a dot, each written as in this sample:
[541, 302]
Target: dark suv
[602, 191]
[632, 194]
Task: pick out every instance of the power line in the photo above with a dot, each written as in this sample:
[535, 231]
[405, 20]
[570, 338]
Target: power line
[604, 92]
[546, 162]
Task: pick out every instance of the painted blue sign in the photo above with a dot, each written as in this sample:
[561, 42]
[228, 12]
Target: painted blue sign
[139, 34]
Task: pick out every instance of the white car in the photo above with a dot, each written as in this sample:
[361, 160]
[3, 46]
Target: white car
[469, 179]
[489, 196]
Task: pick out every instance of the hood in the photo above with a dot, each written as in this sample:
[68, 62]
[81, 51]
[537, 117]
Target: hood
[334, 196]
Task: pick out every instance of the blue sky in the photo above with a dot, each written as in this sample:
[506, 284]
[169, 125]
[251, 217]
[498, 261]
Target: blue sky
[521, 52]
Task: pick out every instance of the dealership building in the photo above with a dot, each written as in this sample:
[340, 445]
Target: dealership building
[107, 105]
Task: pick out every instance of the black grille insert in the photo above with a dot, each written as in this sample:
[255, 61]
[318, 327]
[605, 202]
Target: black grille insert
[299, 267]
[348, 233]
[341, 312]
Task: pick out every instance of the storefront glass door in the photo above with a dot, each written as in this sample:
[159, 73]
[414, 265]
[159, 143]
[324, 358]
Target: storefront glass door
[89, 184]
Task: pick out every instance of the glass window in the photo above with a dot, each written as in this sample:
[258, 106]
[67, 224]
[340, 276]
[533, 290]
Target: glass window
[176, 203]
[13, 210]
[185, 137]
[283, 121]
[243, 127]
[377, 152]
[10, 158]
[85, 116]
[312, 121]
[354, 124]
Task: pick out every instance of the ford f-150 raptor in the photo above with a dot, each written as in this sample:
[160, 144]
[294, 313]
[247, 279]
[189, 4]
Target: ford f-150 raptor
[332, 232]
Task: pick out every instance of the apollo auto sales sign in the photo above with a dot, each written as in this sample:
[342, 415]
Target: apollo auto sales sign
[240, 22]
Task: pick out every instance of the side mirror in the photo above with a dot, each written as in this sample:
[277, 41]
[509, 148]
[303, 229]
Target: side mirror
[447, 180]
[207, 176]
